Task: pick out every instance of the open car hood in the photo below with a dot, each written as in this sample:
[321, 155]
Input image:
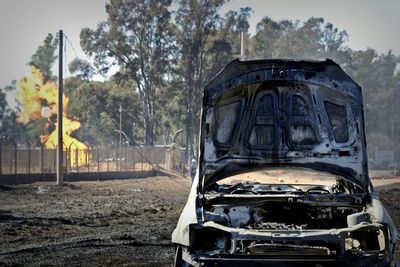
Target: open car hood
[282, 112]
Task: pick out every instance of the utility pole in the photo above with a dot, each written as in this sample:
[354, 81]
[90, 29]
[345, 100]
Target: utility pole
[120, 136]
[243, 46]
[1, 148]
[60, 174]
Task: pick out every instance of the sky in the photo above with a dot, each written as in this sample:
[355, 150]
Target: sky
[24, 24]
[369, 23]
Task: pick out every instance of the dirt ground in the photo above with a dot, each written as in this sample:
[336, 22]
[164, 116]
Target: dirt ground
[120, 223]
[109, 223]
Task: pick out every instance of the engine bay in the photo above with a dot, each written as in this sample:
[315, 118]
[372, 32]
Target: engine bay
[271, 215]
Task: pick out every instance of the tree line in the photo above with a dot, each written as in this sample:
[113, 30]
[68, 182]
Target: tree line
[165, 53]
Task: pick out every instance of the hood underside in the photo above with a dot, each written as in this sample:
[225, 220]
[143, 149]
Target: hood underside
[282, 112]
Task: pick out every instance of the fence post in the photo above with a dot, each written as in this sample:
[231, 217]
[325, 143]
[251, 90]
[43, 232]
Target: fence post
[69, 156]
[28, 169]
[108, 160]
[11, 164]
[41, 158]
[98, 158]
[87, 158]
[116, 158]
[151, 158]
[54, 156]
[1, 154]
[66, 158]
[141, 158]
[126, 157]
[133, 161]
[15, 157]
[76, 157]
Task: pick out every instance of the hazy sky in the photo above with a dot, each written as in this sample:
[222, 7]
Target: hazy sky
[25, 23]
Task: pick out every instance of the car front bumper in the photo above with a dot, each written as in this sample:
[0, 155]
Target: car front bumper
[376, 260]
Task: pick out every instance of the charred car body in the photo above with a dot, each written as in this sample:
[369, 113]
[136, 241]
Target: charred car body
[282, 174]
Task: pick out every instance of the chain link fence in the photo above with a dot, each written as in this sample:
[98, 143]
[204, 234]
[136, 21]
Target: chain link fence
[25, 159]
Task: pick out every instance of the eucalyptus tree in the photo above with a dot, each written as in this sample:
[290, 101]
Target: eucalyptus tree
[44, 56]
[225, 45]
[311, 39]
[138, 37]
[96, 104]
[196, 22]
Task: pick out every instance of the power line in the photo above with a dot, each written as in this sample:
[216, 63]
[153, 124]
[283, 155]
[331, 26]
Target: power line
[91, 86]
[79, 60]
[65, 58]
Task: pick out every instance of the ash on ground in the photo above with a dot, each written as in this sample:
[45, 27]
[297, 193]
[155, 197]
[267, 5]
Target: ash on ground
[120, 223]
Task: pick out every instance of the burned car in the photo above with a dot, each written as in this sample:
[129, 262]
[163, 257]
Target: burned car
[282, 174]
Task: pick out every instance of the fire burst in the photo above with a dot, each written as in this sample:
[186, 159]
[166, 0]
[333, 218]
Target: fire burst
[34, 94]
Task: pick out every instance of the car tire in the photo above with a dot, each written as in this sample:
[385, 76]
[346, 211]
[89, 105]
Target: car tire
[178, 262]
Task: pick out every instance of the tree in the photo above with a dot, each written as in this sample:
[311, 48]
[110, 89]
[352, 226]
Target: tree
[225, 44]
[82, 68]
[334, 44]
[267, 33]
[234, 23]
[8, 126]
[96, 104]
[44, 57]
[166, 66]
[5, 112]
[138, 37]
[312, 39]
[195, 21]
[380, 80]
[377, 74]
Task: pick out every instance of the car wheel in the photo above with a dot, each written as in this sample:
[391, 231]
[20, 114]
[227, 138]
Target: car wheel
[178, 262]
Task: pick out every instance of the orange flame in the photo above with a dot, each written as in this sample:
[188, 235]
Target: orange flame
[35, 94]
